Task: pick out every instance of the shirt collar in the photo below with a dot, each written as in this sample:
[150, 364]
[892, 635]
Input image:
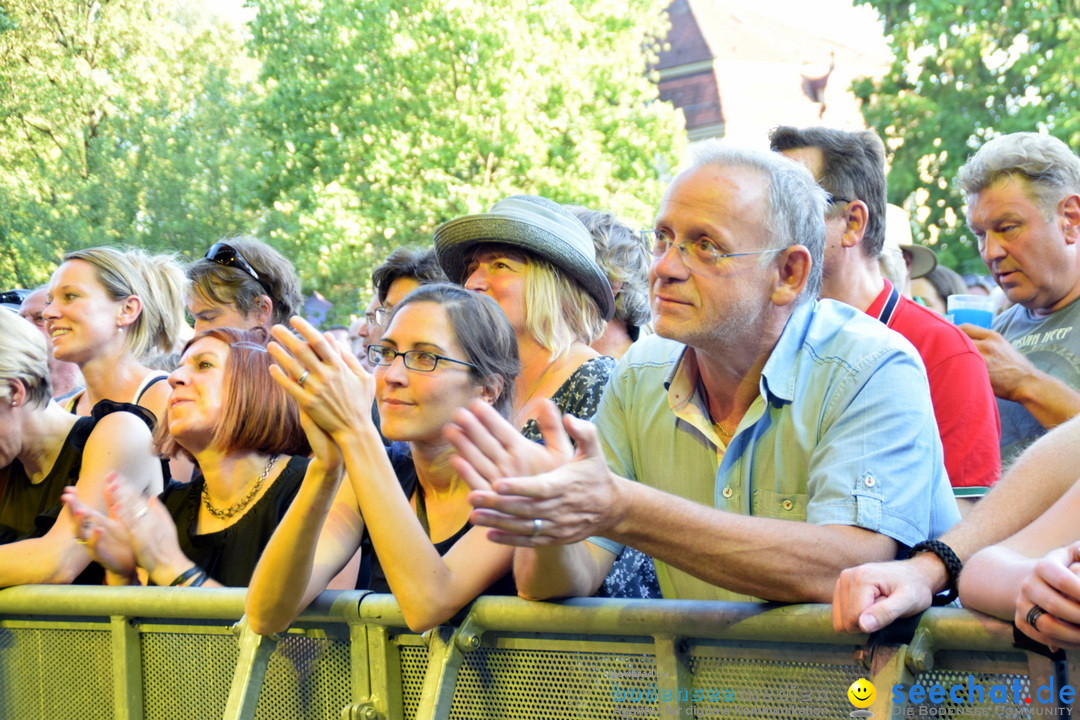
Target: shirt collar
[778, 375]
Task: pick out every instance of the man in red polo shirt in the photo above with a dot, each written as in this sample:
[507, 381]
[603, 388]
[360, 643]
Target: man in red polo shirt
[851, 167]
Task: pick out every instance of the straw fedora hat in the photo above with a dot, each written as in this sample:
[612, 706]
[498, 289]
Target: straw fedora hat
[898, 234]
[540, 227]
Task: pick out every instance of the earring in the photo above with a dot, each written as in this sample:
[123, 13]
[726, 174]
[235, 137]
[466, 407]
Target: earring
[14, 403]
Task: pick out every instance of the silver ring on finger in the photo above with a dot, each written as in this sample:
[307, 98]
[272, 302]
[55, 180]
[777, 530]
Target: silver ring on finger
[303, 376]
[538, 525]
[1033, 616]
[142, 511]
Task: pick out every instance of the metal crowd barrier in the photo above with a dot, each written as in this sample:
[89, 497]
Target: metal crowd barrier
[162, 653]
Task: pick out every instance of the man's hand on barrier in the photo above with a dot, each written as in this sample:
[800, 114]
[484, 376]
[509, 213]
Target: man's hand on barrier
[869, 597]
[573, 501]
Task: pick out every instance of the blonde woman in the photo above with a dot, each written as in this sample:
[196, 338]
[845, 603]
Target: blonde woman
[108, 310]
[538, 262]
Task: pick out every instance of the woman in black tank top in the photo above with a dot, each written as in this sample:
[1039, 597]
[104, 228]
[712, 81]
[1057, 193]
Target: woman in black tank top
[108, 311]
[443, 348]
[243, 432]
[43, 449]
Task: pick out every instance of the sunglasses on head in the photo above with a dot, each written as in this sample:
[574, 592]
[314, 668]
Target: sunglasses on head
[225, 254]
[13, 297]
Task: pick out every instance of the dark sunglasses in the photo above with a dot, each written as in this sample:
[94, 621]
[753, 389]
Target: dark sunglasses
[225, 254]
[13, 297]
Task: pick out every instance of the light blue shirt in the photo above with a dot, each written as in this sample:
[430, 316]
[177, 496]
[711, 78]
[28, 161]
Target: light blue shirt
[842, 433]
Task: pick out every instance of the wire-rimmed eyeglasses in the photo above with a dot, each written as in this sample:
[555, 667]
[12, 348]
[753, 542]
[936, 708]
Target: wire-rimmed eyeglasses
[379, 316]
[702, 251]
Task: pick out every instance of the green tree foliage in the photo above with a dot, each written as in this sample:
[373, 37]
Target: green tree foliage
[338, 132]
[120, 123]
[966, 71]
[389, 117]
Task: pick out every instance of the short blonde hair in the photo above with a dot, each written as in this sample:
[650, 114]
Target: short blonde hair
[23, 357]
[558, 312]
[157, 280]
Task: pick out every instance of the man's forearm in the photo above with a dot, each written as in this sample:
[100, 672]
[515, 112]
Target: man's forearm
[1049, 400]
[772, 559]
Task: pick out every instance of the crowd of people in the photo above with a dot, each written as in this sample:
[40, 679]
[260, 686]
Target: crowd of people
[745, 401]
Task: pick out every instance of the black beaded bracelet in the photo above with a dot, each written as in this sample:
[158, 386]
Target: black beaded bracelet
[949, 560]
[186, 575]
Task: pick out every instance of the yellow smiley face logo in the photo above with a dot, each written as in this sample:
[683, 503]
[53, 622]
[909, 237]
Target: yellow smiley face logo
[861, 693]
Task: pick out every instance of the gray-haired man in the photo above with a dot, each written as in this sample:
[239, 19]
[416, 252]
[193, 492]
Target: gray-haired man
[1023, 193]
[757, 422]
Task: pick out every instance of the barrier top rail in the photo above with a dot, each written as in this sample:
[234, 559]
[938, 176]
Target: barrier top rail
[952, 628]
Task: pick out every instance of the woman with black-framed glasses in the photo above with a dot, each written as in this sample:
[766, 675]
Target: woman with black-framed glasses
[443, 348]
[243, 283]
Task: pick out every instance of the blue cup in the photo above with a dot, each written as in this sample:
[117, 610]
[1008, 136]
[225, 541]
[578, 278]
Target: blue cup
[974, 309]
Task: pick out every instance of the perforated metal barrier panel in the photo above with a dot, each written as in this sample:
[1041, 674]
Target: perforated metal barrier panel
[520, 684]
[55, 673]
[351, 658]
[414, 659]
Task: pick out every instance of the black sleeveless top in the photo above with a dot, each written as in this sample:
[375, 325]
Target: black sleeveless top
[401, 459]
[231, 554]
[29, 510]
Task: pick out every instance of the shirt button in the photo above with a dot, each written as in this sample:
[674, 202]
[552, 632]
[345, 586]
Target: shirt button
[787, 504]
[870, 481]
[727, 492]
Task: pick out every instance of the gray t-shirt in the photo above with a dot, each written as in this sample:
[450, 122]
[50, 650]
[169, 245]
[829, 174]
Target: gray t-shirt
[1050, 345]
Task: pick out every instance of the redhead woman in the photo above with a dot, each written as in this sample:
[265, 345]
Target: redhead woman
[108, 310]
[443, 347]
[43, 448]
[244, 433]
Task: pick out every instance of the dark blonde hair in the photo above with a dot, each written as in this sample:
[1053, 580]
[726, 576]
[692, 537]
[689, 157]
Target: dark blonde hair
[226, 285]
[158, 282]
[258, 414]
[484, 334]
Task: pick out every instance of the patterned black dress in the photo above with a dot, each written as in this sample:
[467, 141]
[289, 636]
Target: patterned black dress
[633, 574]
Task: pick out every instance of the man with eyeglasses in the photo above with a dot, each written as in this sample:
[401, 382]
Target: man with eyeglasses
[363, 332]
[403, 270]
[66, 377]
[851, 167]
[752, 446]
